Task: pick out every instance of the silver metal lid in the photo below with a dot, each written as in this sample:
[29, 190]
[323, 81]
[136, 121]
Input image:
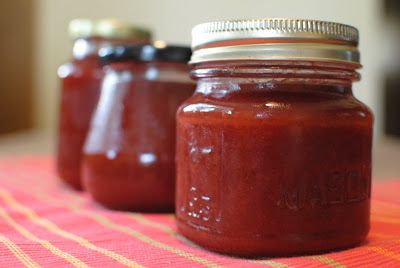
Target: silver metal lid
[275, 39]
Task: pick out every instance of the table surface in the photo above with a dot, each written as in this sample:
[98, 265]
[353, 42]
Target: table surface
[43, 223]
[386, 152]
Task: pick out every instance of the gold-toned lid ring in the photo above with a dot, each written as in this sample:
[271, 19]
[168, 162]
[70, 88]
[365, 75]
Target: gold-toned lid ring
[107, 28]
[280, 51]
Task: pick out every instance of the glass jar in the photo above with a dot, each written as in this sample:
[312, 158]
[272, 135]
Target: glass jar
[129, 155]
[80, 87]
[273, 149]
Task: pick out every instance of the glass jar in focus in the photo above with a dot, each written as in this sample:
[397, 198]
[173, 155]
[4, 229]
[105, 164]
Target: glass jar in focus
[129, 155]
[80, 87]
[273, 149]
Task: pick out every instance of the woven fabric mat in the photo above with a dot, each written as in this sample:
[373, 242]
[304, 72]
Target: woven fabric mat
[44, 223]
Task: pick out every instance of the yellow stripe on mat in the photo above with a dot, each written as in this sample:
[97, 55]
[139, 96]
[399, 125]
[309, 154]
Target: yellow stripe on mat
[138, 217]
[32, 216]
[270, 263]
[25, 259]
[121, 228]
[327, 261]
[146, 222]
[141, 219]
[385, 252]
[46, 244]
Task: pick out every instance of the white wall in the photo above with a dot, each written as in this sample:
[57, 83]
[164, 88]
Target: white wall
[171, 20]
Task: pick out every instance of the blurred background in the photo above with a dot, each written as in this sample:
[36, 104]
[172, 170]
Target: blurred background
[35, 42]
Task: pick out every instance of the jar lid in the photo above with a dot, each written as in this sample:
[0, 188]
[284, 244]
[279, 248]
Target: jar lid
[158, 51]
[107, 28]
[275, 39]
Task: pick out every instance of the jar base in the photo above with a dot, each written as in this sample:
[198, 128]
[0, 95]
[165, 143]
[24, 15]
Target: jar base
[71, 179]
[128, 199]
[256, 248]
[137, 208]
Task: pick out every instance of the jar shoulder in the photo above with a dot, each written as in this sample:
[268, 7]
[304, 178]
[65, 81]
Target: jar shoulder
[278, 107]
[79, 69]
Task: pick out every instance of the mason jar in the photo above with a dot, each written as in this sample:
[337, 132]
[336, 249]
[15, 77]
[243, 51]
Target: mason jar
[80, 82]
[129, 154]
[273, 149]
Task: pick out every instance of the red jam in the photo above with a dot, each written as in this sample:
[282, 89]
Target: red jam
[129, 156]
[80, 89]
[273, 158]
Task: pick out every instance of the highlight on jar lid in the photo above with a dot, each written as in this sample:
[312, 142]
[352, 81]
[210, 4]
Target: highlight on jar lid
[275, 39]
[107, 28]
[158, 51]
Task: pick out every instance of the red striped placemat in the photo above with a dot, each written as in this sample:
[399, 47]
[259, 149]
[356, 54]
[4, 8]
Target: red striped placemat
[43, 223]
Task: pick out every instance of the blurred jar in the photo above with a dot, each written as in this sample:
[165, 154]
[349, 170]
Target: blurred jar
[80, 86]
[129, 155]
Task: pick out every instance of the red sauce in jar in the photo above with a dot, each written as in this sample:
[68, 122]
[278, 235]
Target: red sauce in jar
[80, 89]
[273, 157]
[80, 86]
[129, 157]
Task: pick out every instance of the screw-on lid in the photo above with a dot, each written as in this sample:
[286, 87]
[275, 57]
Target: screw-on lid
[145, 53]
[107, 28]
[275, 39]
